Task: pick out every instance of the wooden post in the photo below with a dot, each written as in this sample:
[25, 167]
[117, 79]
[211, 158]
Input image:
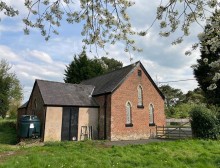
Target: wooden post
[156, 132]
[163, 131]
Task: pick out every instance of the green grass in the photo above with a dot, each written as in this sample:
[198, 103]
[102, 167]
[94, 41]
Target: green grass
[177, 154]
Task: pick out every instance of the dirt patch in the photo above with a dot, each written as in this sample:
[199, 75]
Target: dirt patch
[30, 142]
[5, 155]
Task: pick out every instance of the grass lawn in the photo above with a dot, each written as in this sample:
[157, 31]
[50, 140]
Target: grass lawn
[185, 153]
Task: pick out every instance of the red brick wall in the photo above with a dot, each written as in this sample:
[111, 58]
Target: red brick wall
[140, 116]
[40, 110]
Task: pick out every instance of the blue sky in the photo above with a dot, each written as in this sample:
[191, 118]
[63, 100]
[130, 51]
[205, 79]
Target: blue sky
[33, 58]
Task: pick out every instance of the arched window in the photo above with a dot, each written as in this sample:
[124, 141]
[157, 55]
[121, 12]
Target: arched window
[128, 113]
[151, 114]
[140, 96]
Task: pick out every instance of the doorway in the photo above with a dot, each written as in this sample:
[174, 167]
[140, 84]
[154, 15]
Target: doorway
[70, 124]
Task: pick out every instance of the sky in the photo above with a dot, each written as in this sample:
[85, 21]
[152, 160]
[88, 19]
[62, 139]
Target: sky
[31, 57]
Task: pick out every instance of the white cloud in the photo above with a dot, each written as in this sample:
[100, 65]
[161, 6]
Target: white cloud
[42, 56]
[11, 28]
[7, 53]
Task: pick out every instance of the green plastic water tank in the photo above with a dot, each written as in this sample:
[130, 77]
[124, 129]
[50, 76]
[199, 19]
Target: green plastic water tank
[29, 126]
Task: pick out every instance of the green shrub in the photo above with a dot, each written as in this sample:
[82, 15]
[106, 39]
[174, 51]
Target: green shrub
[204, 123]
[179, 111]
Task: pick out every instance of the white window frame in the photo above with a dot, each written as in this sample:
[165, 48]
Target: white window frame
[151, 113]
[140, 95]
[128, 107]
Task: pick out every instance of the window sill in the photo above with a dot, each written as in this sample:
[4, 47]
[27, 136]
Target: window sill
[140, 106]
[152, 124]
[128, 125]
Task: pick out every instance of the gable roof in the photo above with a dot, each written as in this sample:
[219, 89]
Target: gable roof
[108, 82]
[66, 94]
[154, 84]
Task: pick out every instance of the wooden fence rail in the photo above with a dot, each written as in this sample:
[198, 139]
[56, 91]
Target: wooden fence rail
[174, 132]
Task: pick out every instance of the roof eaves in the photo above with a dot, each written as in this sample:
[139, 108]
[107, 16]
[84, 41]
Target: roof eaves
[100, 94]
[40, 90]
[59, 105]
[31, 93]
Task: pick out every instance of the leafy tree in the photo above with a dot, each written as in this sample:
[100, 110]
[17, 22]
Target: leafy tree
[181, 110]
[107, 21]
[195, 97]
[111, 64]
[206, 71]
[82, 68]
[178, 105]
[10, 89]
[172, 96]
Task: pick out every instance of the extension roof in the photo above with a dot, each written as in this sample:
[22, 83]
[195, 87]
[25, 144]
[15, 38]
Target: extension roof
[66, 94]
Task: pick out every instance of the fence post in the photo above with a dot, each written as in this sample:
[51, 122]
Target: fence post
[156, 132]
[179, 132]
[163, 131]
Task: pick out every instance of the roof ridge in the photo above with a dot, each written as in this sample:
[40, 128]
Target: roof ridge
[62, 82]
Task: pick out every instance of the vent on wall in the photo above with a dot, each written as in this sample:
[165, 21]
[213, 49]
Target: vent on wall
[139, 72]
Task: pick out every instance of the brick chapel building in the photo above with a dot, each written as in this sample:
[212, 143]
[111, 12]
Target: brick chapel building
[124, 104]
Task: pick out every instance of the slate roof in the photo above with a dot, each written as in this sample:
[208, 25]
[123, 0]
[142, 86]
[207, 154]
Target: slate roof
[107, 83]
[65, 94]
[23, 105]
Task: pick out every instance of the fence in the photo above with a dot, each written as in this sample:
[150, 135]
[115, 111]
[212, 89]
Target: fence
[175, 121]
[174, 132]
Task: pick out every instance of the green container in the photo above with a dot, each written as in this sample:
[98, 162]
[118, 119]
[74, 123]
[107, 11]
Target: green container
[29, 126]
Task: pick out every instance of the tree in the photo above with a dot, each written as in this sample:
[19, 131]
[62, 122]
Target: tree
[10, 89]
[111, 64]
[206, 71]
[195, 97]
[172, 96]
[82, 68]
[107, 22]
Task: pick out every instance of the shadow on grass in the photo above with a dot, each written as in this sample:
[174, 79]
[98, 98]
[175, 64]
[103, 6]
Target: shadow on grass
[8, 134]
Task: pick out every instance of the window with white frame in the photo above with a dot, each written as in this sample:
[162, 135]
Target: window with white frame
[140, 96]
[151, 114]
[128, 113]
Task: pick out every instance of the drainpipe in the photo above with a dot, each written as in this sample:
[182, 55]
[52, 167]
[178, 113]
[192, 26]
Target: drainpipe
[105, 117]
